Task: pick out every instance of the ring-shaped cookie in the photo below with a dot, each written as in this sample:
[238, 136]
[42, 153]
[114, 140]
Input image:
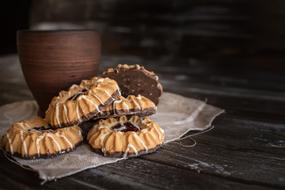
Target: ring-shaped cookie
[81, 102]
[125, 136]
[31, 139]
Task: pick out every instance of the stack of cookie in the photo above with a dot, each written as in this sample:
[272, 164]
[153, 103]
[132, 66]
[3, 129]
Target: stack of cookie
[116, 103]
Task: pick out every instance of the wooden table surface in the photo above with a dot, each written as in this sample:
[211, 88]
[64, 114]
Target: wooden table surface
[246, 149]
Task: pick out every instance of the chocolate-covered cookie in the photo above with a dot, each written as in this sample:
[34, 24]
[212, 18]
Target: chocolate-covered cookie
[136, 80]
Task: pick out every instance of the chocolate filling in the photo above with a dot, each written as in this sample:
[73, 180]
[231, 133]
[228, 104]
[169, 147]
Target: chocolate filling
[80, 93]
[124, 127]
[41, 128]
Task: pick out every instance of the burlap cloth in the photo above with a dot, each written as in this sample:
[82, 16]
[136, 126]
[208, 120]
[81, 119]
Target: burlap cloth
[176, 114]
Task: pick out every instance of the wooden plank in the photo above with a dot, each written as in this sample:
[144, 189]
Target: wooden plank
[244, 134]
[12, 177]
[216, 74]
[251, 152]
[235, 101]
[163, 176]
[130, 174]
[141, 174]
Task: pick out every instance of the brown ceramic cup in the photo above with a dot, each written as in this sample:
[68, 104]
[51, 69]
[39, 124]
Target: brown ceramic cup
[54, 60]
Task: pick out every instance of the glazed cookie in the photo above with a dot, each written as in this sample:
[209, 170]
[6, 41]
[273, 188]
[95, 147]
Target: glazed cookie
[81, 102]
[135, 80]
[132, 105]
[33, 139]
[125, 136]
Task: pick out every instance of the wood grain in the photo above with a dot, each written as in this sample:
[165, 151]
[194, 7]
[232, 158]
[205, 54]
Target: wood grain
[233, 150]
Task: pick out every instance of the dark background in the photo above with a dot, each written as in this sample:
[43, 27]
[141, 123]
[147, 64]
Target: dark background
[247, 32]
[14, 15]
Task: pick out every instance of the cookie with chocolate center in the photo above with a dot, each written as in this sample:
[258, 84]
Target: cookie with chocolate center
[125, 136]
[34, 138]
[81, 102]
